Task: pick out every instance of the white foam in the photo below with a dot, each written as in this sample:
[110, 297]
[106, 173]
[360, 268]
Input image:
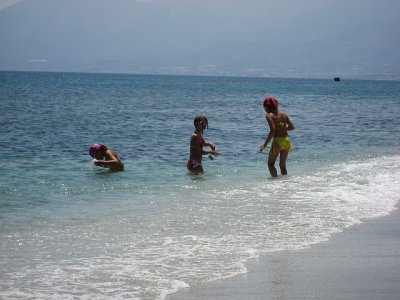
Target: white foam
[176, 285]
[196, 235]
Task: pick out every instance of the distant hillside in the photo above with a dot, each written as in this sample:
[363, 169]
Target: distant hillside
[261, 38]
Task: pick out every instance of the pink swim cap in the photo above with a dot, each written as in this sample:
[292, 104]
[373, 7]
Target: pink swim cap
[270, 100]
[94, 148]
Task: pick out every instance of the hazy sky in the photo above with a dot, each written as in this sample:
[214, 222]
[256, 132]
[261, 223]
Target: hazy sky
[7, 3]
[311, 38]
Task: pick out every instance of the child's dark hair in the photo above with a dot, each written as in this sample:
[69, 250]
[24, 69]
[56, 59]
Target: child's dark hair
[200, 119]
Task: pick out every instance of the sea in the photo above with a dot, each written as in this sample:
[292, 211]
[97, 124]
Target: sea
[71, 230]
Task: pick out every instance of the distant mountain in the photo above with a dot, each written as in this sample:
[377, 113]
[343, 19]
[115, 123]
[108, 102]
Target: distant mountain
[323, 39]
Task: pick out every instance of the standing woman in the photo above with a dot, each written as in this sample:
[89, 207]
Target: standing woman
[279, 124]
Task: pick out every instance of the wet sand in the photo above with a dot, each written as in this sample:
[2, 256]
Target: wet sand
[363, 262]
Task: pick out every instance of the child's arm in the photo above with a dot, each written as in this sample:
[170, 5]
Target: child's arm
[213, 151]
[196, 145]
[270, 134]
[106, 163]
[112, 162]
[289, 123]
[213, 148]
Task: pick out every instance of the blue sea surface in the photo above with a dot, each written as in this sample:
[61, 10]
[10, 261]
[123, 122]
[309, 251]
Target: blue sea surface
[70, 229]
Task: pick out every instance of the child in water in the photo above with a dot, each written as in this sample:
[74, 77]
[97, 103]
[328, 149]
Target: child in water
[105, 157]
[279, 124]
[197, 143]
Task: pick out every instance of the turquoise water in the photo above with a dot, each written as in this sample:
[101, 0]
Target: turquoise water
[71, 230]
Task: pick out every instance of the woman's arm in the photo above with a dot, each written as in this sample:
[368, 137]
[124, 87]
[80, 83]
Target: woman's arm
[270, 134]
[289, 123]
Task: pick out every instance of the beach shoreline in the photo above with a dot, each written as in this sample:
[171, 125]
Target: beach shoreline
[362, 262]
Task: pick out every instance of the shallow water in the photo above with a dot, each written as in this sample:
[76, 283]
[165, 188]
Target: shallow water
[70, 230]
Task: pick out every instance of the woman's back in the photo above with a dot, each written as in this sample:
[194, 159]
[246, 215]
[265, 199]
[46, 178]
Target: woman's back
[282, 124]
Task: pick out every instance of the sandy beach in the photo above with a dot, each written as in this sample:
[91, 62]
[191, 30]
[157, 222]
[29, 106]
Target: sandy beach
[363, 262]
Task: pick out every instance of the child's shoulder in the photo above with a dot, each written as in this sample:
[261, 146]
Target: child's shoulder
[196, 135]
[282, 114]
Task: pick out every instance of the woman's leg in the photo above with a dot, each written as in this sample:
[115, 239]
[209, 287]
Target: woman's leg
[273, 155]
[282, 161]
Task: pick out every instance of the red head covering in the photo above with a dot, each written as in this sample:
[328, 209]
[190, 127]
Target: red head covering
[270, 100]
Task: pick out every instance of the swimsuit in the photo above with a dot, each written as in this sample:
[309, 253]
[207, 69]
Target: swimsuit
[193, 164]
[279, 144]
[280, 124]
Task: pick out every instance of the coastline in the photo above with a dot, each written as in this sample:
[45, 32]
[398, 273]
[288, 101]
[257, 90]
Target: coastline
[363, 262]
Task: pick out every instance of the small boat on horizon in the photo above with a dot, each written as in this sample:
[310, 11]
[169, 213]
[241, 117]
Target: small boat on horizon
[336, 78]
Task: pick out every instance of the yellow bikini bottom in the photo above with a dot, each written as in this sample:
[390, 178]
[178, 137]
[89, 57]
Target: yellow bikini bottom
[279, 144]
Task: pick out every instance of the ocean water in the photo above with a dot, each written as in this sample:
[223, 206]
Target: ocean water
[70, 230]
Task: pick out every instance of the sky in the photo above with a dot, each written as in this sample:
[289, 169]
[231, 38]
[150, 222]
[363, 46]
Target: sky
[267, 38]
